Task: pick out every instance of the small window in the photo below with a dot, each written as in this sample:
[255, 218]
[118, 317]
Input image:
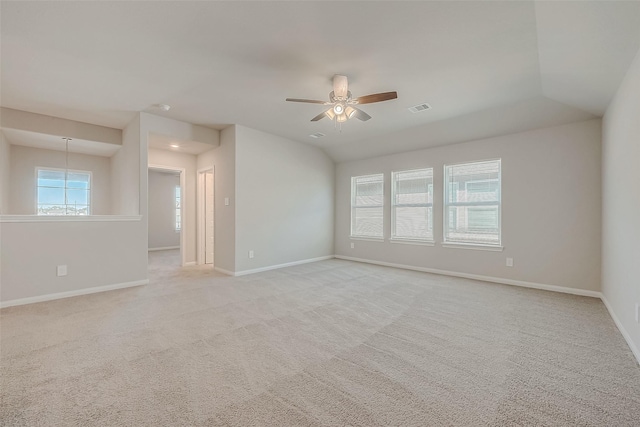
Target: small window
[178, 216]
[472, 203]
[61, 192]
[412, 205]
[367, 205]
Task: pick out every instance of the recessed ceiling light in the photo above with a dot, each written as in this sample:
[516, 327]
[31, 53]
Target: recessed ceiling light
[164, 107]
[174, 146]
[317, 135]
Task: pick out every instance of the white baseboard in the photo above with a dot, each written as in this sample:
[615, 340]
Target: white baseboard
[273, 267]
[165, 248]
[68, 294]
[223, 271]
[623, 331]
[187, 264]
[500, 280]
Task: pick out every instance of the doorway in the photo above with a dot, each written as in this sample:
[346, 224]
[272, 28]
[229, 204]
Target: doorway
[166, 190]
[206, 214]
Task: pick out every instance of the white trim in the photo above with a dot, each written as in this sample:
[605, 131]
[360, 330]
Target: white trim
[472, 246]
[368, 239]
[500, 280]
[223, 271]
[187, 264]
[623, 331]
[166, 248]
[68, 294]
[288, 264]
[69, 218]
[412, 242]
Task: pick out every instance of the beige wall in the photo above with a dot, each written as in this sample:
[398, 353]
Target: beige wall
[25, 160]
[108, 251]
[162, 211]
[284, 200]
[187, 162]
[550, 207]
[125, 171]
[48, 125]
[621, 205]
[223, 160]
[5, 171]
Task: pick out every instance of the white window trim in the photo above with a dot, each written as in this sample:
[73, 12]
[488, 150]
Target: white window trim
[352, 197]
[474, 246]
[409, 240]
[46, 168]
[417, 242]
[462, 245]
[368, 239]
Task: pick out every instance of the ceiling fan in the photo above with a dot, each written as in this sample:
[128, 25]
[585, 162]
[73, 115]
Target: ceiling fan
[343, 105]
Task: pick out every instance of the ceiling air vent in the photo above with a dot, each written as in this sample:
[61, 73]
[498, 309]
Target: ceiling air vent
[317, 135]
[421, 107]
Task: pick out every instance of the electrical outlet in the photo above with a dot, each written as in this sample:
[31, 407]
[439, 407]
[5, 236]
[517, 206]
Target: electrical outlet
[509, 262]
[251, 254]
[226, 201]
[61, 270]
[353, 245]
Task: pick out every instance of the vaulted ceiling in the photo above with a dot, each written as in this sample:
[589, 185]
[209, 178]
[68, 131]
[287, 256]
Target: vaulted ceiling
[486, 68]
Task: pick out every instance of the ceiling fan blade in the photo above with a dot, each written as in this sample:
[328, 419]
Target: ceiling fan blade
[320, 116]
[361, 115]
[310, 101]
[377, 97]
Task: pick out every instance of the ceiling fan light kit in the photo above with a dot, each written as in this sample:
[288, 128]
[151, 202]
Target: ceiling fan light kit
[342, 105]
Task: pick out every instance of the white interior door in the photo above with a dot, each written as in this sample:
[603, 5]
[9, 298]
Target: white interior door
[208, 218]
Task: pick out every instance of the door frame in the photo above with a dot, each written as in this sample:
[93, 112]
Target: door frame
[201, 214]
[183, 252]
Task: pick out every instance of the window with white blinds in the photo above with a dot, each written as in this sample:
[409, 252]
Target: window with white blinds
[472, 203]
[367, 205]
[412, 205]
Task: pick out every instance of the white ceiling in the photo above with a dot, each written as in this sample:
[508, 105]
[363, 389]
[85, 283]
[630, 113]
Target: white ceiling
[218, 63]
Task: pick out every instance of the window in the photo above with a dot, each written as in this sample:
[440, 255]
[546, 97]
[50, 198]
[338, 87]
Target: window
[412, 205]
[367, 203]
[178, 217]
[472, 203]
[61, 192]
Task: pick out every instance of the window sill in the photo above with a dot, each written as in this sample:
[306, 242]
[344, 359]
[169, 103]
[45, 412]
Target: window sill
[69, 218]
[413, 242]
[368, 239]
[472, 246]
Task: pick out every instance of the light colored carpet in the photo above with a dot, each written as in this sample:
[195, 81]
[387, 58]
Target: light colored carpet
[332, 343]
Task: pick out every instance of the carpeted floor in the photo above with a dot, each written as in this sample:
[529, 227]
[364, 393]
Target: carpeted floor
[331, 343]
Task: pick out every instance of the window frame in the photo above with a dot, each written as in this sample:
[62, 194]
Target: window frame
[445, 205]
[46, 168]
[352, 206]
[430, 186]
